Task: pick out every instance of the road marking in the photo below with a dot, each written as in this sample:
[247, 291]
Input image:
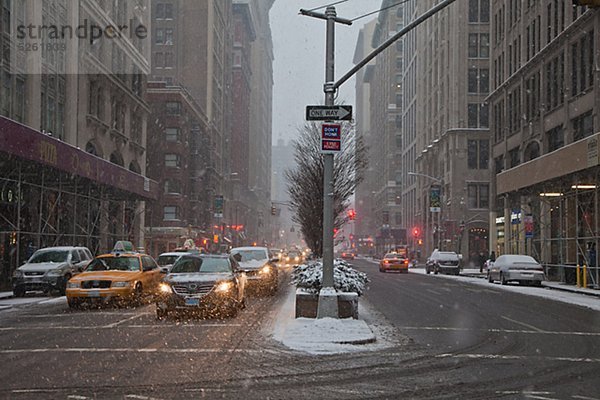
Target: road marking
[522, 324]
[531, 396]
[139, 326]
[73, 314]
[125, 320]
[520, 392]
[77, 397]
[494, 330]
[517, 357]
[584, 397]
[434, 292]
[133, 350]
[135, 396]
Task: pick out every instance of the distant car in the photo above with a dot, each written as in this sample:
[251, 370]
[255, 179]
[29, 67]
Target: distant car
[516, 268]
[196, 282]
[261, 270]
[393, 262]
[347, 255]
[293, 257]
[167, 260]
[50, 269]
[446, 262]
[123, 275]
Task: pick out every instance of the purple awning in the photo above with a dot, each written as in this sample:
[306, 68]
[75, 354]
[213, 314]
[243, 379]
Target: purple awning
[24, 142]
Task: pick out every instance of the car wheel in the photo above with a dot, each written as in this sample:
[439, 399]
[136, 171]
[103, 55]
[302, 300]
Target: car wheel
[62, 290]
[161, 313]
[74, 303]
[489, 278]
[503, 280]
[537, 283]
[138, 294]
[19, 291]
[427, 271]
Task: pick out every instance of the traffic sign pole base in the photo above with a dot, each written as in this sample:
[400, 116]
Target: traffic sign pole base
[328, 303]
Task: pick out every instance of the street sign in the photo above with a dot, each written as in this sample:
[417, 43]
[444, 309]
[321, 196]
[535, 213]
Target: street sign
[328, 113]
[331, 146]
[331, 131]
[218, 207]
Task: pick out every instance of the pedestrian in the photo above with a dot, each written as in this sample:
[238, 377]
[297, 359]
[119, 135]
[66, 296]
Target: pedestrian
[481, 261]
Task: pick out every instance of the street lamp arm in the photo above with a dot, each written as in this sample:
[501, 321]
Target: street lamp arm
[438, 180]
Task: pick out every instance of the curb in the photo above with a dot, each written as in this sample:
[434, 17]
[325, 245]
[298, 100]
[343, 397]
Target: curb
[359, 341]
[571, 290]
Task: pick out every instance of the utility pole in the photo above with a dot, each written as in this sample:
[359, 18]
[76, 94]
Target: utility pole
[327, 297]
[328, 304]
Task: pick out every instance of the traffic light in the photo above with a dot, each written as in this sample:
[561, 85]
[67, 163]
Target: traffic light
[416, 232]
[351, 214]
[589, 3]
[273, 210]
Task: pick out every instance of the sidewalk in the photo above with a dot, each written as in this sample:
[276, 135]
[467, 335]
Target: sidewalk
[6, 295]
[320, 336]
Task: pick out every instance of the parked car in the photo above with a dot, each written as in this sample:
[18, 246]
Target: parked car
[516, 268]
[261, 271]
[446, 262]
[196, 282]
[50, 269]
[393, 262]
[123, 275]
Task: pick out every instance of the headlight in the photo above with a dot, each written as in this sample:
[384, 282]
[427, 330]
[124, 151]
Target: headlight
[224, 287]
[265, 270]
[297, 258]
[17, 273]
[165, 288]
[120, 284]
[72, 285]
[54, 272]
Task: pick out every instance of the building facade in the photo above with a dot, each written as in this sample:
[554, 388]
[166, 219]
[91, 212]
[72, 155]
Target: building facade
[544, 103]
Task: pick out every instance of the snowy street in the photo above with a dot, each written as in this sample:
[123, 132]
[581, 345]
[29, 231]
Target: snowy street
[436, 338]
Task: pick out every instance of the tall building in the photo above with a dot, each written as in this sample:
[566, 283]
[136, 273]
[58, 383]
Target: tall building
[79, 104]
[452, 134]
[385, 147]
[192, 55]
[545, 104]
[366, 222]
[281, 225]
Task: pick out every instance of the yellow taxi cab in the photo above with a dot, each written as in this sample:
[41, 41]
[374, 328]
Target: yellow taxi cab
[393, 262]
[123, 275]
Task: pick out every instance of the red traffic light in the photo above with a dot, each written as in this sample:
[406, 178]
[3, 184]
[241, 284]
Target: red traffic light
[416, 232]
[351, 214]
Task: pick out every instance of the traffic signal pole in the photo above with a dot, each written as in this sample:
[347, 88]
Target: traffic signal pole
[328, 306]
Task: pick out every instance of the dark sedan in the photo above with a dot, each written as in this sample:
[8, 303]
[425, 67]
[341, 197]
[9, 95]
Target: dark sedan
[212, 283]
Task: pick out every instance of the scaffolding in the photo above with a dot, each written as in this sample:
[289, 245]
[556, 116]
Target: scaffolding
[41, 206]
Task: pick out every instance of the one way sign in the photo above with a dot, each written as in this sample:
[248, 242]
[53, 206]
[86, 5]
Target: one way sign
[328, 113]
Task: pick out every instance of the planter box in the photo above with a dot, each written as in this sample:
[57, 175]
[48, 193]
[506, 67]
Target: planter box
[307, 303]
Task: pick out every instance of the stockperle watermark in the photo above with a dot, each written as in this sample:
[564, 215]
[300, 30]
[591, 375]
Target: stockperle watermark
[114, 46]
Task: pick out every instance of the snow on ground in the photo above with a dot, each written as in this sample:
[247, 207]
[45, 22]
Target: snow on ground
[547, 293]
[10, 302]
[330, 336]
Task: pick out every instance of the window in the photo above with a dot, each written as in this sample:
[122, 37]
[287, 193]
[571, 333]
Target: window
[159, 37]
[583, 126]
[172, 134]
[479, 11]
[479, 45]
[514, 157]
[555, 74]
[169, 60]
[532, 97]
[556, 138]
[172, 186]
[171, 213]
[514, 110]
[478, 154]
[172, 160]
[478, 115]
[499, 164]
[582, 61]
[169, 37]
[173, 108]
[479, 80]
[478, 195]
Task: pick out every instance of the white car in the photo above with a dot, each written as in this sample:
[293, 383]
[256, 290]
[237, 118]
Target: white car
[516, 268]
[167, 260]
[260, 269]
[49, 269]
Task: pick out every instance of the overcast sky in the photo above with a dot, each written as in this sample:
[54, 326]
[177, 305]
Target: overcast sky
[299, 66]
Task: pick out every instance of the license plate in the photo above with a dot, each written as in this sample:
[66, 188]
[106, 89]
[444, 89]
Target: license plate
[93, 293]
[192, 302]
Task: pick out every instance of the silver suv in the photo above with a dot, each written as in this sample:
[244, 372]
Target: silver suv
[49, 269]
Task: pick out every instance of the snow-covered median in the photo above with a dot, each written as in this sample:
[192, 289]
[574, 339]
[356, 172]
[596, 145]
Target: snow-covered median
[346, 279]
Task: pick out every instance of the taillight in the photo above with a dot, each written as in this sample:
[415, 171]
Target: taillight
[405, 261]
[386, 262]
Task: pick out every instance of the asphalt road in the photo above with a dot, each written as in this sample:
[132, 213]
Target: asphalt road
[447, 340]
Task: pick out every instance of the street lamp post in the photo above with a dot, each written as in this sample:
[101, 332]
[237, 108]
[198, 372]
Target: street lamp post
[439, 213]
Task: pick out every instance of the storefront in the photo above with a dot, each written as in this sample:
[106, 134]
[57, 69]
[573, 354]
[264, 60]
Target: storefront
[52, 194]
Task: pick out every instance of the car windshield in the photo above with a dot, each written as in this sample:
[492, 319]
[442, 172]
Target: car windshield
[49, 256]
[391, 255]
[167, 260]
[446, 256]
[249, 255]
[208, 265]
[114, 264]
